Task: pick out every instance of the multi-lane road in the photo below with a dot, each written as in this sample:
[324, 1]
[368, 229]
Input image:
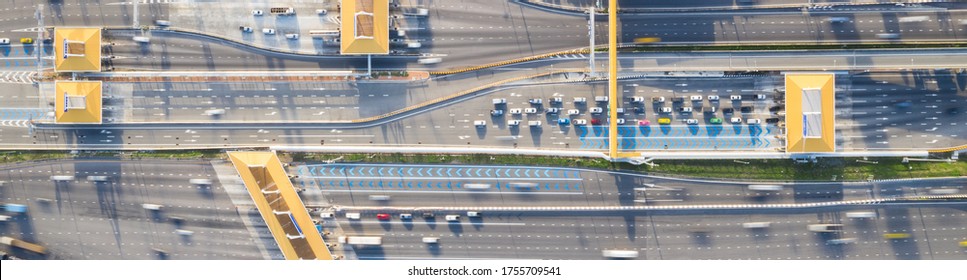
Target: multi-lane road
[573, 234]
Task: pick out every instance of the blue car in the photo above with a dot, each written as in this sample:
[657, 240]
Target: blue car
[563, 121]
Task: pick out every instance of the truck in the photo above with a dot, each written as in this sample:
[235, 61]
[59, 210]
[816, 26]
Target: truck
[282, 11]
[62, 178]
[97, 178]
[12, 242]
[200, 181]
[825, 227]
[15, 208]
[361, 240]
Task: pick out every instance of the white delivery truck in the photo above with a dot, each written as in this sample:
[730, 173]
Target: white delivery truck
[361, 240]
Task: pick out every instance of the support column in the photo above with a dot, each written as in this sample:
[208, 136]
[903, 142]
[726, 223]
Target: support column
[369, 65]
[591, 10]
[613, 79]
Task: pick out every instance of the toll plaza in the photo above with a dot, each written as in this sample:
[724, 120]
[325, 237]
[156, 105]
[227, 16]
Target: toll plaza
[810, 113]
[365, 27]
[77, 49]
[77, 102]
[280, 206]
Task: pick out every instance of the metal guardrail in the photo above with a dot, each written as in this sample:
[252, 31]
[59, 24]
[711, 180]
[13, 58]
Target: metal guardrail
[950, 149]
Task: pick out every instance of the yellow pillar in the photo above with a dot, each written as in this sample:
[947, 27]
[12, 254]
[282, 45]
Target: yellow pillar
[613, 78]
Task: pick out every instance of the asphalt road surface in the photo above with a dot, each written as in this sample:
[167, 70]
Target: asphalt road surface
[84, 219]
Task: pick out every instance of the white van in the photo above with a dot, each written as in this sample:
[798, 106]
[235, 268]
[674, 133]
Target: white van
[200, 181]
[379, 197]
[429, 60]
[861, 215]
[619, 254]
[498, 101]
[452, 218]
[600, 98]
[326, 215]
[149, 206]
[534, 123]
[292, 36]
[141, 39]
[769, 188]
[352, 216]
[480, 123]
[214, 112]
[97, 178]
[62, 178]
[431, 240]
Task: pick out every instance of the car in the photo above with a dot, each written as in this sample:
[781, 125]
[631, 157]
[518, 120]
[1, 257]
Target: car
[595, 121]
[513, 122]
[26, 40]
[678, 99]
[620, 110]
[530, 110]
[861, 215]
[596, 110]
[473, 214]
[639, 110]
[665, 109]
[535, 101]
[896, 235]
[621, 121]
[431, 240]
[953, 111]
[840, 241]
[746, 109]
[406, 216]
[245, 29]
[658, 99]
[573, 112]
[715, 121]
[888, 36]
[756, 225]
[580, 122]
[760, 97]
[772, 120]
[696, 98]
[452, 218]
[382, 217]
[321, 12]
[735, 97]
[563, 121]
[4, 41]
[728, 111]
[268, 31]
[556, 100]
[162, 23]
[664, 121]
[515, 111]
[753, 121]
[691, 121]
[837, 19]
[552, 110]
[685, 109]
[637, 99]
[498, 101]
[601, 98]
[480, 123]
[292, 36]
[376, 197]
[713, 98]
[141, 39]
[496, 113]
[735, 120]
[428, 215]
[644, 123]
[825, 227]
[580, 100]
[534, 123]
[257, 13]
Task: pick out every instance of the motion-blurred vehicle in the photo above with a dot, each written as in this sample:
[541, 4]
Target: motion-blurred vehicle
[647, 40]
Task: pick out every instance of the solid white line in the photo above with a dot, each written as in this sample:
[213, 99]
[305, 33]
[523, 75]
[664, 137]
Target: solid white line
[425, 223]
[325, 136]
[450, 191]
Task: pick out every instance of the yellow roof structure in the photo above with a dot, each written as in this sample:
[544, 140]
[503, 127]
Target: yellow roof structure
[77, 49]
[77, 102]
[280, 206]
[810, 112]
[365, 27]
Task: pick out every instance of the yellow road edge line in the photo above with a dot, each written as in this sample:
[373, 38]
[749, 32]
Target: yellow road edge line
[950, 149]
[612, 79]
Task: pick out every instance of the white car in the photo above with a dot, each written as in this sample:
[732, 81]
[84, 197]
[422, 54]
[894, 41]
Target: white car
[480, 123]
[321, 11]
[580, 122]
[498, 101]
[580, 100]
[621, 121]
[735, 97]
[141, 39]
[530, 110]
[406, 216]
[637, 99]
[257, 12]
[685, 109]
[552, 110]
[753, 121]
[4, 41]
[736, 120]
[696, 98]
[760, 97]
[535, 101]
[245, 29]
[596, 110]
[268, 31]
[691, 121]
[513, 122]
[666, 109]
[292, 36]
[573, 112]
[713, 98]
[515, 111]
[556, 100]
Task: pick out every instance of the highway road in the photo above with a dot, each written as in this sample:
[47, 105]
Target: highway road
[83, 219]
[861, 110]
[658, 235]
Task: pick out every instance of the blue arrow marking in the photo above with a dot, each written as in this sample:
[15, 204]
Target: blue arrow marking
[547, 173]
[556, 171]
[449, 185]
[409, 184]
[350, 184]
[439, 172]
[487, 173]
[419, 185]
[380, 184]
[370, 184]
[516, 172]
[439, 185]
[449, 172]
[478, 172]
[556, 186]
[459, 185]
[409, 171]
[527, 173]
[577, 186]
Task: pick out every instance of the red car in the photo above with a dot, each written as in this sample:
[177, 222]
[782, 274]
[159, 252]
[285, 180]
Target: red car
[595, 122]
[382, 217]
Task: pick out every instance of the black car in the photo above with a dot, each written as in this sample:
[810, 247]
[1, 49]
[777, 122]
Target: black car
[428, 215]
[727, 111]
[746, 109]
[772, 120]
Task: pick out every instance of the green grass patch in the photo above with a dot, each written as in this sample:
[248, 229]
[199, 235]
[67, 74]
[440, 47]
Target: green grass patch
[21, 156]
[662, 48]
[180, 154]
[825, 169]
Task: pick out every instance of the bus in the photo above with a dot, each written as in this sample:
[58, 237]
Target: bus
[323, 33]
[619, 254]
[769, 188]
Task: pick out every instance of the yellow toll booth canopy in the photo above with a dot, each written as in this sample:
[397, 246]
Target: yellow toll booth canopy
[77, 102]
[810, 112]
[77, 49]
[365, 27]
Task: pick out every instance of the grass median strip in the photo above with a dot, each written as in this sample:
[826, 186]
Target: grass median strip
[825, 169]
